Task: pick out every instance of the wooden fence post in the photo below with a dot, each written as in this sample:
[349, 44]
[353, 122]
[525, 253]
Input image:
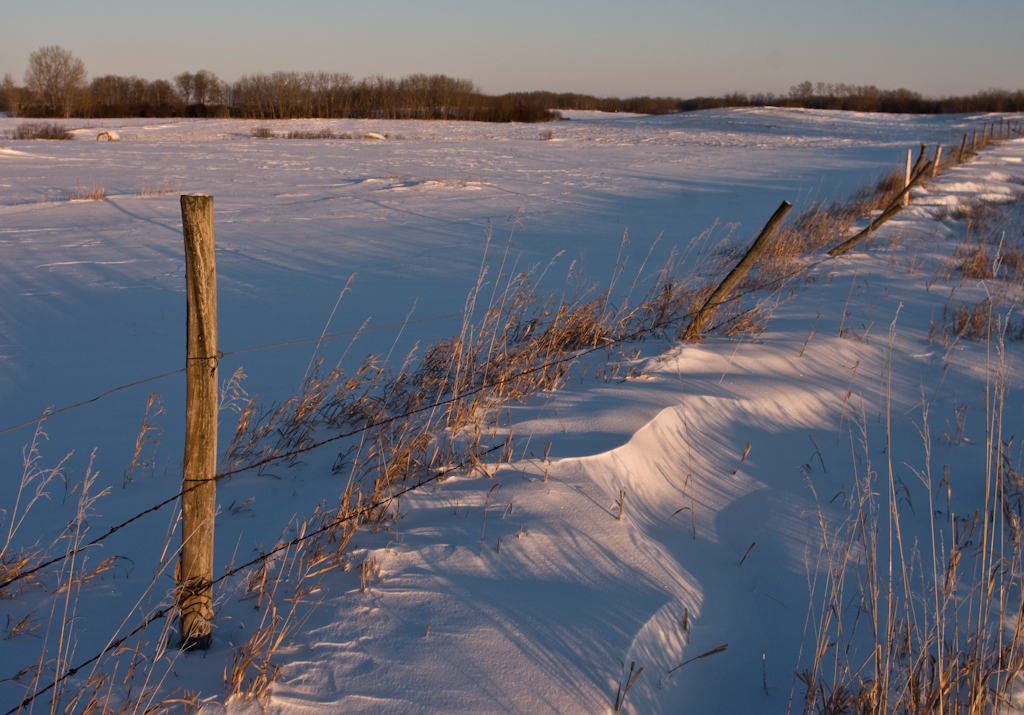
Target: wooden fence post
[974, 142]
[906, 182]
[705, 314]
[938, 160]
[921, 158]
[195, 570]
[963, 148]
[894, 208]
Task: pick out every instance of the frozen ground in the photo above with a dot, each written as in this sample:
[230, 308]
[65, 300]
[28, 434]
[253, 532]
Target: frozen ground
[92, 297]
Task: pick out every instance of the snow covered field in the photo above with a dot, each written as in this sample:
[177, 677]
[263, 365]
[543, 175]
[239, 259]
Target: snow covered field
[92, 297]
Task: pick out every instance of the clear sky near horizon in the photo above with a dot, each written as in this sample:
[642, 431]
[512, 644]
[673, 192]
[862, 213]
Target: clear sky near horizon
[602, 47]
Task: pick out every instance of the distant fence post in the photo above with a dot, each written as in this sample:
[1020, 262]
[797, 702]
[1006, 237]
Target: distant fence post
[705, 314]
[195, 574]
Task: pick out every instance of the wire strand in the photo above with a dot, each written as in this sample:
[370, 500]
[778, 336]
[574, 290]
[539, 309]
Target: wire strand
[48, 414]
[441, 403]
[231, 572]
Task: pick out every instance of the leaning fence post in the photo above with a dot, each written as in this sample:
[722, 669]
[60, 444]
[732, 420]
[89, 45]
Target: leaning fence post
[894, 208]
[938, 160]
[906, 182]
[703, 315]
[195, 574]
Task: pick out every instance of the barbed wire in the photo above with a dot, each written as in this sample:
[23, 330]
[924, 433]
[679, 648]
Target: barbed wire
[334, 523]
[240, 351]
[575, 355]
[309, 448]
[72, 671]
[331, 336]
[50, 413]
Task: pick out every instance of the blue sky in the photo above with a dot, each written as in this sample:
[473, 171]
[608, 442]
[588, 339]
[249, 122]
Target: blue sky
[602, 47]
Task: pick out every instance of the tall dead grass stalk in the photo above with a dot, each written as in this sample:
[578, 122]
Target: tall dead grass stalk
[936, 627]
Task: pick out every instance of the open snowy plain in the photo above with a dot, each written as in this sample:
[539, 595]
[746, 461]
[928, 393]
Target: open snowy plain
[735, 454]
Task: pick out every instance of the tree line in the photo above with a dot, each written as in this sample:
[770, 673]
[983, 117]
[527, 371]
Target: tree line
[807, 95]
[55, 85]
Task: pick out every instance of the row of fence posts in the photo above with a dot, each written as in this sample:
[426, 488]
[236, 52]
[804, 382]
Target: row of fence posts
[916, 172]
[199, 478]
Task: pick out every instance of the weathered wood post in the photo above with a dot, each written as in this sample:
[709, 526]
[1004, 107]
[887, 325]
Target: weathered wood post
[963, 148]
[921, 158]
[705, 314]
[195, 574]
[906, 182]
[938, 160]
[974, 142]
[894, 208]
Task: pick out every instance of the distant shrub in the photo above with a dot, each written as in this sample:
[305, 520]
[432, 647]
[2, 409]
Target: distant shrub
[511, 109]
[321, 134]
[41, 130]
[262, 133]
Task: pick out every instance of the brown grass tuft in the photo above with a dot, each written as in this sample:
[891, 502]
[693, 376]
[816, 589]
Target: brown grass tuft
[81, 193]
[879, 196]
[162, 188]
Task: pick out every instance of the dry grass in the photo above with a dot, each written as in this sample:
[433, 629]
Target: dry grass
[162, 188]
[815, 228]
[992, 251]
[396, 426]
[978, 321]
[281, 584]
[128, 676]
[417, 421]
[880, 195]
[147, 440]
[95, 192]
[975, 261]
[933, 627]
[36, 481]
[809, 233]
[412, 424]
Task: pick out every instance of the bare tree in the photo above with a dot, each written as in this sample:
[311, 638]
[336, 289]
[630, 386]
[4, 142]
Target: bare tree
[206, 86]
[185, 82]
[12, 97]
[55, 76]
